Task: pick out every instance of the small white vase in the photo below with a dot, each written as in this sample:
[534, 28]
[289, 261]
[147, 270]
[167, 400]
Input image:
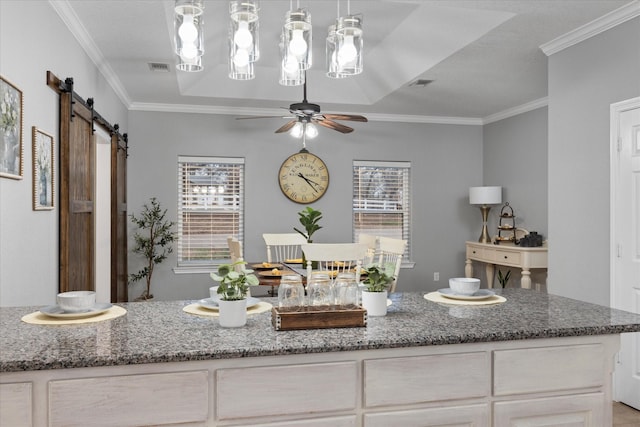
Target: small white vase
[232, 314]
[375, 303]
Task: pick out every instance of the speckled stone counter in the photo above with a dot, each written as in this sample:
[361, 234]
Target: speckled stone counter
[160, 331]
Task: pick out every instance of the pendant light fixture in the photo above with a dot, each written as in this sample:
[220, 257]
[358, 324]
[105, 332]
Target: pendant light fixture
[297, 39]
[290, 72]
[243, 39]
[188, 34]
[349, 43]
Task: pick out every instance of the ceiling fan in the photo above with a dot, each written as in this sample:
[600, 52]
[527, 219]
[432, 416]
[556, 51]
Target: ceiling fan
[305, 112]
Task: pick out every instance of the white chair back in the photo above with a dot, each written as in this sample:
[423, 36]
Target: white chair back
[337, 257]
[283, 246]
[390, 257]
[372, 243]
[235, 249]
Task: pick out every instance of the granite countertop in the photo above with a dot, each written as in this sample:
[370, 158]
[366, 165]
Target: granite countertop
[160, 331]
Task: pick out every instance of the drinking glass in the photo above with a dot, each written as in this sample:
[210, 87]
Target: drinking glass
[346, 289]
[319, 290]
[291, 291]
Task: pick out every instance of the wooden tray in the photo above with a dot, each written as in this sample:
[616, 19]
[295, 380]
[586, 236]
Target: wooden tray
[291, 318]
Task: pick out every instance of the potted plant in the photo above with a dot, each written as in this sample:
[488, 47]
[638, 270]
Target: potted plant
[504, 279]
[234, 284]
[152, 240]
[374, 296]
[309, 219]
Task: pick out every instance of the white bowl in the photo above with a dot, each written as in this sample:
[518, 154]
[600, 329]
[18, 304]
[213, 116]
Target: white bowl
[213, 293]
[464, 285]
[76, 301]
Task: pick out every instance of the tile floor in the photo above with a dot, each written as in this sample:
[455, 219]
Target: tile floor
[625, 416]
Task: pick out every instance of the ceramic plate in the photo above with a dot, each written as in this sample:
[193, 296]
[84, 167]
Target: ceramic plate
[294, 261]
[212, 304]
[265, 266]
[480, 294]
[57, 312]
[269, 273]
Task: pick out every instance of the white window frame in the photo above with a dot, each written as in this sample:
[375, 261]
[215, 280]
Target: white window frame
[404, 205]
[228, 203]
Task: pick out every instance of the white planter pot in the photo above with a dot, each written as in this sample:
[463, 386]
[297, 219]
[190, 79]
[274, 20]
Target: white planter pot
[232, 314]
[375, 303]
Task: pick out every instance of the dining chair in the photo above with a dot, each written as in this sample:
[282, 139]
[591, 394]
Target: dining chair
[372, 243]
[235, 249]
[390, 257]
[283, 246]
[335, 257]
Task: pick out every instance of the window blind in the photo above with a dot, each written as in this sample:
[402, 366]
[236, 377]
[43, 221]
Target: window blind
[210, 208]
[382, 200]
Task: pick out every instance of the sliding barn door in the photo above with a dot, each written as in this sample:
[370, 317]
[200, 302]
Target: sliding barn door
[119, 220]
[77, 157]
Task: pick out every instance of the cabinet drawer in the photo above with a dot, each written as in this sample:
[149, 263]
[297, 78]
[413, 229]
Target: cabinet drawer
[468, 415]
[16, 404]
[419, 379]
[291, 389]
[346, 421]
[507, 257]
[556, 368]
[475, 253]
[578, 410]
[130, 400]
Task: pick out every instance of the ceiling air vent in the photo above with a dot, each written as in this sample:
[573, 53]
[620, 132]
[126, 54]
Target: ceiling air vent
[159, 67]
[420, 82]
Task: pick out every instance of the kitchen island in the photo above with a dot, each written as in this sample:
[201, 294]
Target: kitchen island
[536, 357]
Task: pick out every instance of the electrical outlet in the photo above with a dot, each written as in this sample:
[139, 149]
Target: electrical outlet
[436, 276]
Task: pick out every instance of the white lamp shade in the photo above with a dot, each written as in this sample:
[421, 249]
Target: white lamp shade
[485, 195]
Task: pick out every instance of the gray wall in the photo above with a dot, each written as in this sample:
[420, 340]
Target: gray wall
[446, 160]
[583, 81]
[515, 157]
[33, 40]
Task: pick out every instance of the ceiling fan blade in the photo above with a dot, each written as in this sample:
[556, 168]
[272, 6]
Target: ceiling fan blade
[263, 117]
[287, 126]
[351, 117]
[333, 125]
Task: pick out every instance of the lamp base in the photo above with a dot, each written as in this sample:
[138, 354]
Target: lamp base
[484, 237]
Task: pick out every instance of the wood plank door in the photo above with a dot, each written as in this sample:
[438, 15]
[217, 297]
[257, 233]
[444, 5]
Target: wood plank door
[119, 220]
[77, 157]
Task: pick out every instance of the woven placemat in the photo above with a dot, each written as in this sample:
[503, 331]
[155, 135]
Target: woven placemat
[38, 318]
[439, 298]
[196, 308]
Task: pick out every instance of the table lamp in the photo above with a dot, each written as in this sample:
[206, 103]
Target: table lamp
[485, 196]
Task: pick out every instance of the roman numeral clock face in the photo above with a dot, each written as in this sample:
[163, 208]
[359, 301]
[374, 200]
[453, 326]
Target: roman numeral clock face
[303, 177]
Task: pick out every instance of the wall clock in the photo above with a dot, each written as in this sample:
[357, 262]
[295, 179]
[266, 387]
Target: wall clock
[303, 177]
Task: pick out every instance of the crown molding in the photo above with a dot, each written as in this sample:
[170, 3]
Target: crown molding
[593, 28]
[73, 23]
[242, 111]
[529, 106]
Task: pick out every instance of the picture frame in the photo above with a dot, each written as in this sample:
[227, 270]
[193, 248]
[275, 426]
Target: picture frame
[11, 140]
[43, 170]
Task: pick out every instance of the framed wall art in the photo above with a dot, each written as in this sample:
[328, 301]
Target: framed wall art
[10, 130]
[43, 170]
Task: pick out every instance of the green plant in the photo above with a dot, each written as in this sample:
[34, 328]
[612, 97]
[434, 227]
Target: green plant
[152, 240]
[503, 279]
[233, 283]
[377, 279]
[309, 218]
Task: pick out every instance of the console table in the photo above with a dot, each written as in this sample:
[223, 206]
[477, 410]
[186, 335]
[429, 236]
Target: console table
[507, 255]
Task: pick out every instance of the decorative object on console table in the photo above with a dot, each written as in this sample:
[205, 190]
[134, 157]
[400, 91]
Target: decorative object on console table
[484, 197]
[153, 242]
[531, 240]
[507, 225]
[233, 289]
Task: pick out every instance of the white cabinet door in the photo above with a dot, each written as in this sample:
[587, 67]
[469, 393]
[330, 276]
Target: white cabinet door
[16, 405]
[570, 411]
[467, 416]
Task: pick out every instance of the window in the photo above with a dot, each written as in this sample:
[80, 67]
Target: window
[210, 208]
[382, 200]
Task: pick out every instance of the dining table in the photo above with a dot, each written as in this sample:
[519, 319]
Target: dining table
[268, 277]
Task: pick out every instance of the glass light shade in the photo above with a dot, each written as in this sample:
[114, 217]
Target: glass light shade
[240, 67]
[298, 36]
[190, 65]
[189, 7]
[331, 55]
[485, 195]
[297, 130]
[243, 27]
[290, 72]
[310, 130]
[189, 36]
[349, 45]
